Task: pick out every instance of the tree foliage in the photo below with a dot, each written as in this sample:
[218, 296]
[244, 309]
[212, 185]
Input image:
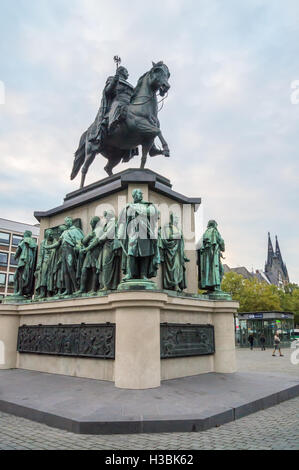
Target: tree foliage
[256, 296]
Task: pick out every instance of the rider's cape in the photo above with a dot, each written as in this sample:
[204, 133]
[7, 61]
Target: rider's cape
[95, 128]
[104, 108]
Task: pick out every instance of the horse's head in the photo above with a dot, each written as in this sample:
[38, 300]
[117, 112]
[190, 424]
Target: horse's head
[159, 76]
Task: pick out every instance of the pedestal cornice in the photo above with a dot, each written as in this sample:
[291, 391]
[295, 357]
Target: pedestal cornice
[114, 300]
[114, 184]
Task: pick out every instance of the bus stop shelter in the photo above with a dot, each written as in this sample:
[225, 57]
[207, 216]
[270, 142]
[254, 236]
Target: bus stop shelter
[268, 323]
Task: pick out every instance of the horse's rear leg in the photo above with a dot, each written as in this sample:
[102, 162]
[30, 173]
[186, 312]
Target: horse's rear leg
[88, 161]
[83, 176]
[111, 164]
[108, 168]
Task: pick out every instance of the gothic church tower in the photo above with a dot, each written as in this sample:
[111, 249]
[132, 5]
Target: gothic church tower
[275, 269]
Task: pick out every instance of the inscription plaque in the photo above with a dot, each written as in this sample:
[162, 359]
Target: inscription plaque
[85, 340]
[181, 340]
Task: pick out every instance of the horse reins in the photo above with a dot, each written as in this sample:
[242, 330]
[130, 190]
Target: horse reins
[149, 99]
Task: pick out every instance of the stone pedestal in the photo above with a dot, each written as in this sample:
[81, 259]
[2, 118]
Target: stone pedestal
[113, 193]
[135, 336]
[137, 316]
[225, 358]
[137, 359]
[9, 324]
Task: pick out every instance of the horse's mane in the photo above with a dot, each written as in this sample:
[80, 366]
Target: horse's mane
[139, 85]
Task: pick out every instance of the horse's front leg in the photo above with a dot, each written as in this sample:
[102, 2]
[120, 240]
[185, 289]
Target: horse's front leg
[145, 149]
[166, 151]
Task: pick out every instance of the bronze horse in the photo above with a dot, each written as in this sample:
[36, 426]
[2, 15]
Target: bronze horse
[140, 126]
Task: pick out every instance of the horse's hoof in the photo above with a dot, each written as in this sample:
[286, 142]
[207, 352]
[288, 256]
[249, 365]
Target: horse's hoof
[108, 171]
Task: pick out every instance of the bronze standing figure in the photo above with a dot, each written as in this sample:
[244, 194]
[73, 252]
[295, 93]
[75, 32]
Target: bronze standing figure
[137, 233]
[69, 242]
[88, 260]
[209, 259]
[26, 257]
[43, 268]
[173, 256]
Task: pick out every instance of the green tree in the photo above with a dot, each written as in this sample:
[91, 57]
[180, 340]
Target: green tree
[290, 300]
[259, 296]
[233, 283]
[256, 296]
[253, 295]
[295, 306]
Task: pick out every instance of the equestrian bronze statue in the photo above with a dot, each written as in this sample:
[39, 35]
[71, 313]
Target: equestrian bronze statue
[127, 118]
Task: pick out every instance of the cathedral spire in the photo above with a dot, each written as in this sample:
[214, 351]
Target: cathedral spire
[278, 254]
[270, 253]
[277, 249]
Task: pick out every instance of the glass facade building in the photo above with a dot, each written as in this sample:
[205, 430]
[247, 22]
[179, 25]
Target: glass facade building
[267, 323]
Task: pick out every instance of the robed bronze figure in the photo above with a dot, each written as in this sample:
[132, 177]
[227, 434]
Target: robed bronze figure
[26, 257]
[209, 259]
[137, 233]
[56, 283]
[108, 267]
[88, 261]
[69, 241]
[173, 258]
[44, 267]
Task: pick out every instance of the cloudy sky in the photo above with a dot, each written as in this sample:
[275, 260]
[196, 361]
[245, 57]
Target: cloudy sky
[229, 120]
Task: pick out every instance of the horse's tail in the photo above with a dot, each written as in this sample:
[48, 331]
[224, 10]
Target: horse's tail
[79, 156]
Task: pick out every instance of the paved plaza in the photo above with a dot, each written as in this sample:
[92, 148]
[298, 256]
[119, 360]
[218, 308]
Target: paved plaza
[274, 428]
[262, 361]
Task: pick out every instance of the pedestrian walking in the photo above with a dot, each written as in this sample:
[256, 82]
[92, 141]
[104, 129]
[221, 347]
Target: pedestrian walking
[251, 341]
[263, 341]
[276, 344]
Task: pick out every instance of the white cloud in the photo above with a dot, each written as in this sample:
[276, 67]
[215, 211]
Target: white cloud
[232, 131]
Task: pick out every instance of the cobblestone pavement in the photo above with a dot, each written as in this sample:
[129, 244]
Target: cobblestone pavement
[274, 428]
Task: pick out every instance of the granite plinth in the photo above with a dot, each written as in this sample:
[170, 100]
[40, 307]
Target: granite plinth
[137, 315]
[182, 405]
